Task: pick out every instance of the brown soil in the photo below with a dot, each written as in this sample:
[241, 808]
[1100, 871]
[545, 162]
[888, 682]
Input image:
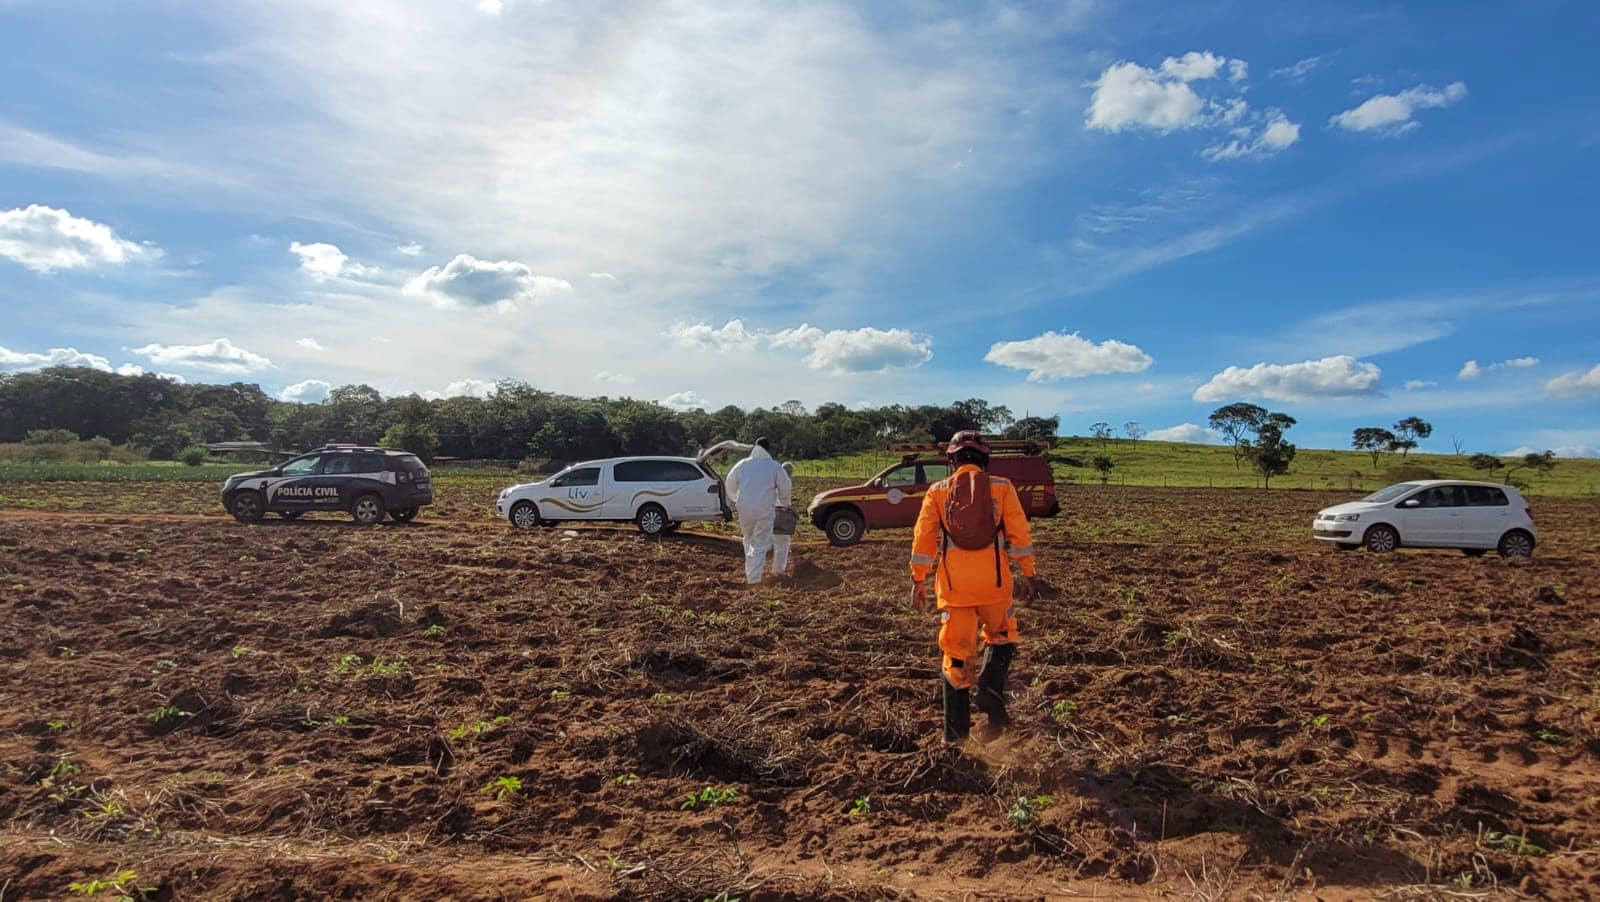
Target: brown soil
[1207, 704]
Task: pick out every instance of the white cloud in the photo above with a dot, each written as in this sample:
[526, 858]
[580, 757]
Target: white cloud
[463, 388]
[869, 350]
[1054, 355]
[602, 277]
[18, 361]
[1567, 451]
[1419, 384]
[1341, 376]
[491, 7]
[218, 356]
[1276, 135]
[1576, 383]
[684, 400]
[1392, 113]
[701, 336]
[319, 260]
[1299, 70]
[1128, 95]
[310, 344]
[863, 350]
[1184, 432]
[1472, 369]
[311, 391]
[471, 282]
[410, 250]
[45, 239]
[610, 378]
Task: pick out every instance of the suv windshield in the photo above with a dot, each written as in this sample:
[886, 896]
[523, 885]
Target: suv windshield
[301, 466]
[1391, 493]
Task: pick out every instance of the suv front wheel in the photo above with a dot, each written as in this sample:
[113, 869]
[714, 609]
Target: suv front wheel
[367, 510]
[247, 506]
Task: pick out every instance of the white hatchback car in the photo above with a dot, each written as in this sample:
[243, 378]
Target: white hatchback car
[1433, 513]
[657, 493]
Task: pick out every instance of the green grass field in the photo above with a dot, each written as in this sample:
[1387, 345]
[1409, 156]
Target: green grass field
[1143, 463]
[1177, 464]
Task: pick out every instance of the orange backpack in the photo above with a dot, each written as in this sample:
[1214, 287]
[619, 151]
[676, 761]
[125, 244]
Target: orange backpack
[969, 519]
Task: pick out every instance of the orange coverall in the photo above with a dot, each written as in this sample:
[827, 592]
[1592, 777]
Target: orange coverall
[970, 596]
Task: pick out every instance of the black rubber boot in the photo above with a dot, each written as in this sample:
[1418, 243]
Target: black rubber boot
[957, 713]
[992, 685]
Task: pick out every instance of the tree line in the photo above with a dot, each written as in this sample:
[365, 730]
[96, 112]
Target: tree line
[164, 417]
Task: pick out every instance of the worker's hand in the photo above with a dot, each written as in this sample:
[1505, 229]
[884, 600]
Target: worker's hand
[1027, 590]
[919, 597]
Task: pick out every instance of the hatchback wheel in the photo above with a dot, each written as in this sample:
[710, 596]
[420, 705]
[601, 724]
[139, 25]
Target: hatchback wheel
[844, 527]
[1381, 539]
[1516, 543]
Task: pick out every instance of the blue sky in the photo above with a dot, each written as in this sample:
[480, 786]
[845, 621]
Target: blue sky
[1107, 211]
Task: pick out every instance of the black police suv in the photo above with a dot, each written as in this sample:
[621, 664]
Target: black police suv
[362, 481]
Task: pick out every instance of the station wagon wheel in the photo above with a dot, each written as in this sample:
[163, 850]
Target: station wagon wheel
[247, 507]
[1516, 543]
[652, 520]
[1381, 539]
[524, 515]
[844, 527]
[403, 515]
[368, 509]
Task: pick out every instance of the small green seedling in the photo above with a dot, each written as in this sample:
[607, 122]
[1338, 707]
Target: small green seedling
[861, 806]
[1554, 737]
[168, 711]
[478, 727]
[1025, 810]
[238, 651]
[710, 797]
[1063, 711]
[1514, 843]
[503, 788]
[433, 632]
[125, 884]
[56, 726]
[627, 779]
[1320, 721]
[66, 652]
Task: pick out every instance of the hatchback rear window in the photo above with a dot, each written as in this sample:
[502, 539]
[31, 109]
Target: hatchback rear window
[1486, 496]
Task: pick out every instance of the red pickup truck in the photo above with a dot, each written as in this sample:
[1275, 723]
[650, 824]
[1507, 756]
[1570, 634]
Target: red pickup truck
[893, 497]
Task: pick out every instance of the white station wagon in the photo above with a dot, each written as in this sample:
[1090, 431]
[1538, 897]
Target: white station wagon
[657, 493]
[1433, 513]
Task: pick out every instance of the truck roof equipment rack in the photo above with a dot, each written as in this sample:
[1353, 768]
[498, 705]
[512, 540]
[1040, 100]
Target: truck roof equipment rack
[1006, 447]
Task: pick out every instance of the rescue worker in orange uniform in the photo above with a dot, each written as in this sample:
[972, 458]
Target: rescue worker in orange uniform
[974, 591]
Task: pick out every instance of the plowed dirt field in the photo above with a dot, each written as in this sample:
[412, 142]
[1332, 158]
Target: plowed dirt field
[1208, 704]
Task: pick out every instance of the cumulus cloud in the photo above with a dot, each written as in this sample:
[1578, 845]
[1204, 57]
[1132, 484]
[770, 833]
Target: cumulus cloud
[1392, 114]
[311, 391]
[863, 350]
[1128, 95]
[410, 250]
[1419, 384]
[491, 7]
[45, 239]
[684, 400]
[1341, 376]
[20, 361]
[868, 350]
[1472, 369]
[1275, 135]
[310, 344]
[218, 356]
[1567, 451]
[470, 282]
[1576, 383]
[613, 378]
[1184, 432]
[1054, 355]
[731, 336]
[463, 388]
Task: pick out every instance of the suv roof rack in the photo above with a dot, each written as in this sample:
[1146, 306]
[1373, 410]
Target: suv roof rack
[348, 446]
[998, 447]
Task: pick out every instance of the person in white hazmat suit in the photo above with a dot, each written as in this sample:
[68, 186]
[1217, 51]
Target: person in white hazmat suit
[780, 541]
[757, 485]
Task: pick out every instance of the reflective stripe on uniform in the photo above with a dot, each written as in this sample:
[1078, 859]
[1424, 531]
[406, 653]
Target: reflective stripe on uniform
[1017, 551]
[925, 560]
